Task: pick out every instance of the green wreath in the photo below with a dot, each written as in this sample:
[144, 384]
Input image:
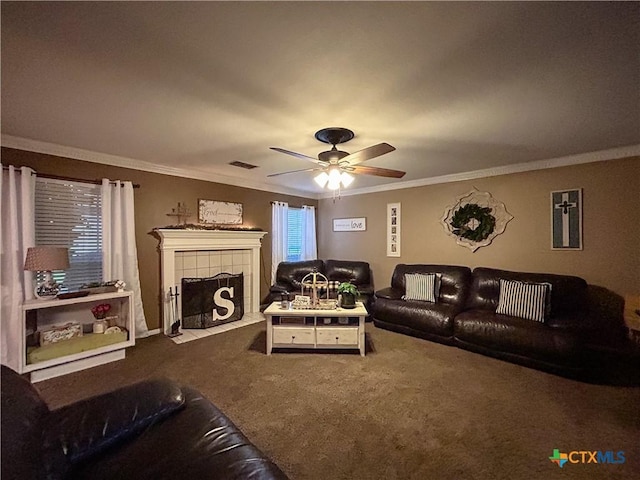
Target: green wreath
[468, 212]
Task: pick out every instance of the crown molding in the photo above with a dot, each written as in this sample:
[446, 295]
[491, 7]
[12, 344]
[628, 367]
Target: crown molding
[599, 156]
[38, 146]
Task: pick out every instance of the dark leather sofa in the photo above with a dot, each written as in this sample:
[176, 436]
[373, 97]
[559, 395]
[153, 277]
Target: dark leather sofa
[289, 276]
[465, 315]
[154, 429]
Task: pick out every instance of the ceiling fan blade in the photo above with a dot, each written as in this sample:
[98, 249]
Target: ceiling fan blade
[377, 171]
[368, 153]
[295, 154]
[294, 171]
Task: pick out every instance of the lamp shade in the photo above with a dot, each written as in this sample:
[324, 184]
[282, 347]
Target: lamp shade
[42, 259]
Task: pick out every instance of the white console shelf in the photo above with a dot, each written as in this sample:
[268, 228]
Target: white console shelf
[43, 314]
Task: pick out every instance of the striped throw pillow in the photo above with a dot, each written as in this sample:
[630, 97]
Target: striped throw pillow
[524, 300]
[420, 286]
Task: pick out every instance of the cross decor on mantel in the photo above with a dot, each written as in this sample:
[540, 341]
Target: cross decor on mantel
[181, 212]
[566, 219]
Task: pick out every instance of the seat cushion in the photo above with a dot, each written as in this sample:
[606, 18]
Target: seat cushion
[416, 317]
[519, 336]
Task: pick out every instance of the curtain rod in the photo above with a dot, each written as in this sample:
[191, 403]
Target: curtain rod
[292, 206]
[69, 179]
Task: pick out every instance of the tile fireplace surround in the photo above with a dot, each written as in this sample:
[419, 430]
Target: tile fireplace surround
[204, 253]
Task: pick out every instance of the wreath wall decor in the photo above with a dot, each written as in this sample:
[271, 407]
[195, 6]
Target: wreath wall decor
[475, 219]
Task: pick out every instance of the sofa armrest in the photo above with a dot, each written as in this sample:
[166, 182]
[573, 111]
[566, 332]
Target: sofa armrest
[366, 289]
[89, 426]
[389, 293]
[199, 442]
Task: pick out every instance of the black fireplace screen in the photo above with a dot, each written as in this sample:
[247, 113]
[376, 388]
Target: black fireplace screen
[211, 301]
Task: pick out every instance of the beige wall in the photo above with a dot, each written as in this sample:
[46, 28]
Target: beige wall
[157, 195]
[611, 202]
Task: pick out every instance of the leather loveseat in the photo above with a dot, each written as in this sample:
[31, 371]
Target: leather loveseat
[289, 277]
[154, 429]
[464, 315]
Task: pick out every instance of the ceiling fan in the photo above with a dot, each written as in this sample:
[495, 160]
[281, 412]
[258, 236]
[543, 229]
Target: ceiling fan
[335, 166]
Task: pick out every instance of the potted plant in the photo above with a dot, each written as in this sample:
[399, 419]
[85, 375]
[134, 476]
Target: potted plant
[348, 293]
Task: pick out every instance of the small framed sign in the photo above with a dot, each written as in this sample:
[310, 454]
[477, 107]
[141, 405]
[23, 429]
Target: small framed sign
[349, 224]
[566, 219]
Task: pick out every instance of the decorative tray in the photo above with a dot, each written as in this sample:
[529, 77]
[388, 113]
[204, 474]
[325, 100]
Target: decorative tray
[78, 294]
[322, 305]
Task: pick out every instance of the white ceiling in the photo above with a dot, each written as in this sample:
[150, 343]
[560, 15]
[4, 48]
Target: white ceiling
[191, 86]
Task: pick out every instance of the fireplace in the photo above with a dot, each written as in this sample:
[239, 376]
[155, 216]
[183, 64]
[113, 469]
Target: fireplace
[206, 253]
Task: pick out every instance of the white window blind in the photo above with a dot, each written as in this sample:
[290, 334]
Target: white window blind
[69, 214]
[294, 223]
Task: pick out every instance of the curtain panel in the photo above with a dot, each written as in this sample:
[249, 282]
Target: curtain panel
[279, 235]
[17, 234]
[119, 252]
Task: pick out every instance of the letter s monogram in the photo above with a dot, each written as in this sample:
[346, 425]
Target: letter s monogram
[224, 303]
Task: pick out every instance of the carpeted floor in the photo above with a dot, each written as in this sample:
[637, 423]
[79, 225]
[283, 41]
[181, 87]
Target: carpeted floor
[411, 409]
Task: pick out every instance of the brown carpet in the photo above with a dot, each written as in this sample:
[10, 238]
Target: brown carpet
[411, 409]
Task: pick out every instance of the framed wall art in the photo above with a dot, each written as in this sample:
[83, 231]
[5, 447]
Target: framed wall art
[220, 213]
[349, 224]
[393, 229]
[566, 219]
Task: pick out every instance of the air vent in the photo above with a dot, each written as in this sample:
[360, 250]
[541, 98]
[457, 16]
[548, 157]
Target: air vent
[246, 166]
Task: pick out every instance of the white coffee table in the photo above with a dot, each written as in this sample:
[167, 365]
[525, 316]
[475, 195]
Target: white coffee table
[342, 328]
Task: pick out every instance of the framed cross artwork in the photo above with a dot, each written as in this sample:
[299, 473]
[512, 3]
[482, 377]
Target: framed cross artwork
[566, 219]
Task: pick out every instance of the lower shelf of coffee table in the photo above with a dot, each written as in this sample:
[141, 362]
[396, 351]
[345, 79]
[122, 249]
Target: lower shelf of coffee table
[320, 336]
[307, 329]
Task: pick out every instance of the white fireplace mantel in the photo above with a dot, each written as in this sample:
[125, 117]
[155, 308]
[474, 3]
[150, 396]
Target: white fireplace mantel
[178, 240]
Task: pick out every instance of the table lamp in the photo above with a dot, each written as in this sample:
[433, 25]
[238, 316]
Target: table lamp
[46, 259]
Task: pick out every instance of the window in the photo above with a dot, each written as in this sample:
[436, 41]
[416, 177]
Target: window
[69, 214]
[294, 233]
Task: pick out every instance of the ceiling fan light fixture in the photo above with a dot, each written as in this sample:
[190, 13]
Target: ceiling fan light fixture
[336, 166]
[335, 178]
[321, 179]
[346, 179]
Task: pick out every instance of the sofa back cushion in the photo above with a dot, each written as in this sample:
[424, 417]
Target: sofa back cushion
[568, 293]
[292, 273]
[358, 273]
[455, 281]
